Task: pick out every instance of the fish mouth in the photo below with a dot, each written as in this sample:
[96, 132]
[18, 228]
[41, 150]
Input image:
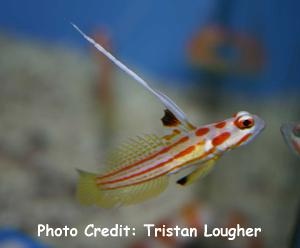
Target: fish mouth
[260, 124]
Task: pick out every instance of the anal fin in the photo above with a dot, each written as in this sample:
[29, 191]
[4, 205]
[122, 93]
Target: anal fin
[203, 170]
[140, 192]
[89, 193]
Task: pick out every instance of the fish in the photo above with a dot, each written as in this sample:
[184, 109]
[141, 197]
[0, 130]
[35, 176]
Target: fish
[291, 134]
[140, 169]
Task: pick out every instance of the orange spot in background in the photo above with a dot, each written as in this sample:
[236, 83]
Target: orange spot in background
[237, 217]
[192, 214]
[220, 139]
[221, 124]
[202, 131]
[169, 241]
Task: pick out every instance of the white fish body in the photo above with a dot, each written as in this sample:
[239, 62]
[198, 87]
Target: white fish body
[141, 169]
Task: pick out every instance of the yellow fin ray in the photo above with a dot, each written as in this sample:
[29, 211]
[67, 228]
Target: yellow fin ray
[135, 150]
[89, 193]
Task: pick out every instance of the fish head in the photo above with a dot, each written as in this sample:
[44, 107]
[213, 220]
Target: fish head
[239, 130]
[291, 135]
[245, 127]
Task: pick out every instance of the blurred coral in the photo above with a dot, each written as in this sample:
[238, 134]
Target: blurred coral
[217, 49]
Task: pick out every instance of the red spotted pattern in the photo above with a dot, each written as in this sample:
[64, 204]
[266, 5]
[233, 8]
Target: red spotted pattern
[221, 124]
[244, 138]
[220, 139]
[202, 131]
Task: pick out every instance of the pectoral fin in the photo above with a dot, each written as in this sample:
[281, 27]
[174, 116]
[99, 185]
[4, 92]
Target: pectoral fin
[198, 173]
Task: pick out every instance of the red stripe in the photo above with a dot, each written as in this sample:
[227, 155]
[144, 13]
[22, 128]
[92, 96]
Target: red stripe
[243, 139]
[136, 183]
[164, 150]
[164, 173]
[137, 174]
[185, 152]
[178, 155]
[193, 160]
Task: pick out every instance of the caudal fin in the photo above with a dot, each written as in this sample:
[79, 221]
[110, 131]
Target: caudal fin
[87, 192]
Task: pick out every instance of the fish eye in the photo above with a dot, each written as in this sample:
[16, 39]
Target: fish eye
[244, 122]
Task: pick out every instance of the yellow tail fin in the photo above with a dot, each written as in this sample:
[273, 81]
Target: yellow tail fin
[89, 193]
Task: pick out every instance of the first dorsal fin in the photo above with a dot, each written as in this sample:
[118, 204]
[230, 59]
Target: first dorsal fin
[169, 119]
[165, 100]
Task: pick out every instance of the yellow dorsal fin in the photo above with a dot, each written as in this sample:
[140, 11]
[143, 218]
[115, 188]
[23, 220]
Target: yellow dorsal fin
[135, 150]
[171, 136]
